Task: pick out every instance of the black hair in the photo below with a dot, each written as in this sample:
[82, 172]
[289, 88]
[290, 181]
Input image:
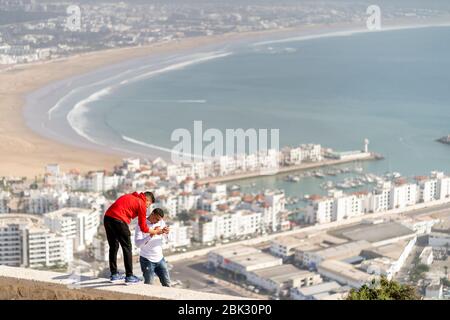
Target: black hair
[149, 195]
[159, 212]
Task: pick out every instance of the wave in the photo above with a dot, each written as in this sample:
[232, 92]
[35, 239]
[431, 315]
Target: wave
[177, 66]
[156, 147]
[61, 101]
[199, 101]
[345, 34]
[77, 115]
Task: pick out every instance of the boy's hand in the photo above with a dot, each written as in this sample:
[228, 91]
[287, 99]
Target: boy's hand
[156, 231]
[166, 230]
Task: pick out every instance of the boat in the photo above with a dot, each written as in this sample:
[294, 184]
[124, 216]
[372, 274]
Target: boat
[319, 175]
[292, 178]
[396, 175]
[358, 169]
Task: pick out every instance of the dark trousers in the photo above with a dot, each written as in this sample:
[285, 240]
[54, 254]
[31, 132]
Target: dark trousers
[117, 233]
[149, 269]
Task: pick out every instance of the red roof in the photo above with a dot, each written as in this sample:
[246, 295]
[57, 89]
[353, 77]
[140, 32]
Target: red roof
[222, 207]
[248, 198]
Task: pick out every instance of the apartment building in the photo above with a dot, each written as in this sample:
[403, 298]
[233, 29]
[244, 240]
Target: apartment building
[4, 201]
[76, 224]
[224, 225]
[24, 242]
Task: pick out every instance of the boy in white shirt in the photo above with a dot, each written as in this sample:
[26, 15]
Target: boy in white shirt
[151, 253]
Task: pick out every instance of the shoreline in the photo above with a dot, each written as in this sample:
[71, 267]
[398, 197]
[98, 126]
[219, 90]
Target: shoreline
[25, 152]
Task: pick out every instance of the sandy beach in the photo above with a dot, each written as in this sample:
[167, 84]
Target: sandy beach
[22, 151]
[25, 153]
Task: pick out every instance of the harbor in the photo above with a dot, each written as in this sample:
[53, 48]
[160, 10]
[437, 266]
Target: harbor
[293, 168]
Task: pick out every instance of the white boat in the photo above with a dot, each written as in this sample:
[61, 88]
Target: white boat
[319, 175]
[292, 178]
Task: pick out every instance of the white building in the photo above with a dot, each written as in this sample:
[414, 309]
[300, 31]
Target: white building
[284, 247]
[440, 235]
[132, 164]
[179, 235]
[420, 225]
[426, 256]
[388, 259]
[4, 201]
[242, 260]
[292, 156]
[78, 225]
[280, 279]
[176, 204]
[315, 291]
[344, 273]
[428, 190]
[311, 152]
[226, 225]
[336, 207]
[381, 199]
[45, 200]
[439, 239]
[385, 197]
[244, 264]
[219, 257]
[25, 242]
[403, 196]
[346, 250]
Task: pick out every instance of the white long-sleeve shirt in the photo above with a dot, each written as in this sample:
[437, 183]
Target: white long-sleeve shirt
[150, 247]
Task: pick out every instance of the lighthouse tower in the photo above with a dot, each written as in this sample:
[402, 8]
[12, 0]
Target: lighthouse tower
[366, 145]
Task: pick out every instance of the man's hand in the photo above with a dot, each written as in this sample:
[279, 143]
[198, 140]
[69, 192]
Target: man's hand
[166, 230]
[156, 231]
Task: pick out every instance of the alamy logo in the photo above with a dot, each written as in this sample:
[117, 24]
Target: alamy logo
[374, 19]
[254, 143]
[73, 22]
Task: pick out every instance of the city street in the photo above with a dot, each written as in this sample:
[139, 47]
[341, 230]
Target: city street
[193, 275]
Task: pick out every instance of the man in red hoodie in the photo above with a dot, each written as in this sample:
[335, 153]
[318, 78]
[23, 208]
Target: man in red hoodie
[116, 221]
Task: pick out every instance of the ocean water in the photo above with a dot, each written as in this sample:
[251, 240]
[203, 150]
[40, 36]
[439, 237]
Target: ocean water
[390, 87]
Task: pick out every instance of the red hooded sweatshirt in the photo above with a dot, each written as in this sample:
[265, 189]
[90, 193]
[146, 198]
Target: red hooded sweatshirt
[128, 207]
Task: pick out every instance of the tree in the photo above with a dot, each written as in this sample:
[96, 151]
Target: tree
[384, 290]
[418, 272]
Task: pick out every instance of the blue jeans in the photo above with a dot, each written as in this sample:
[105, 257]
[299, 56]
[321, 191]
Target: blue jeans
[150, 268]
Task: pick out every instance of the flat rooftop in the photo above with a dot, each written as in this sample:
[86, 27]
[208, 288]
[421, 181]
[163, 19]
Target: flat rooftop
[254, 259]
[392, 250]
[374, 232]
[289, 241]
[28, 219]
[282, 273]
[67, 212]
[345, 270]
[442, 227]
[319, 288]
[344, 250]
[235, 251]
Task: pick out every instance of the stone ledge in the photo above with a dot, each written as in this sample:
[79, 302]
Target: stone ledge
[29, 284]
